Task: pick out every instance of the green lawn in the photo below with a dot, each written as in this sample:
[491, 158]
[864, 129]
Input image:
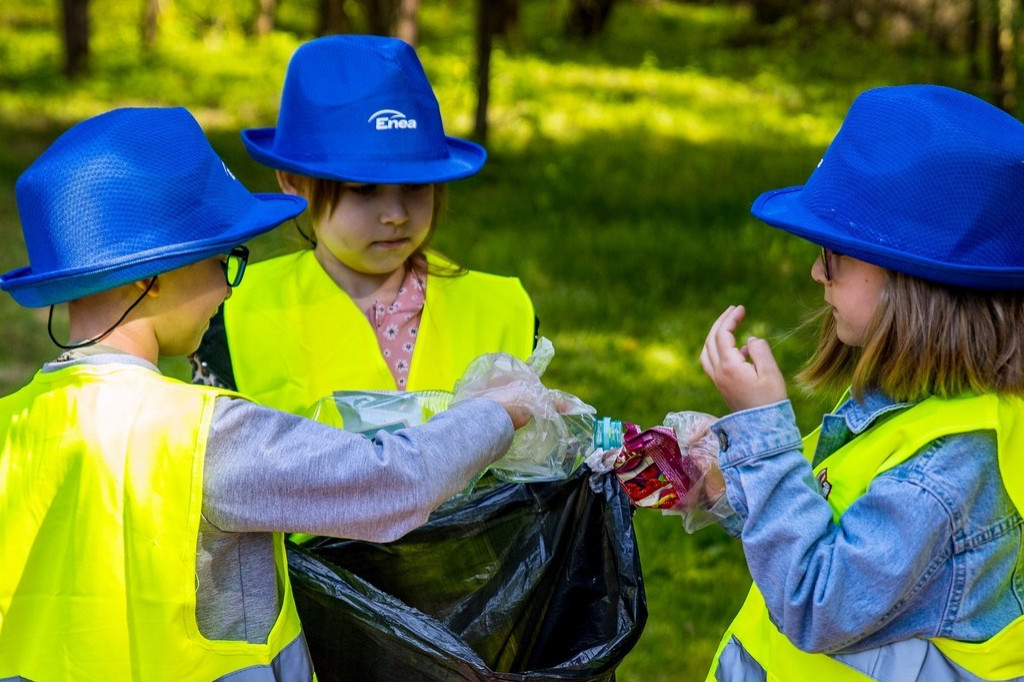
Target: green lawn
[617, 188]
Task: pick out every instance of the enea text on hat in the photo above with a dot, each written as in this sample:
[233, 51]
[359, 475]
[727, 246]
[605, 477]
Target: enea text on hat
[389, 119]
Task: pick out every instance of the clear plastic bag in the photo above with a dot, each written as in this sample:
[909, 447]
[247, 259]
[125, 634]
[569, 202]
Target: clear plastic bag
[705, 503]
[560, 434]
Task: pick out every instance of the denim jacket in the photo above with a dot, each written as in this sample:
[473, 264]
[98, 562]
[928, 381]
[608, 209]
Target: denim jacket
[933, 549]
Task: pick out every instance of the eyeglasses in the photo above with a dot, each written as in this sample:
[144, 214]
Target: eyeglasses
[826, 262]
[234, 265]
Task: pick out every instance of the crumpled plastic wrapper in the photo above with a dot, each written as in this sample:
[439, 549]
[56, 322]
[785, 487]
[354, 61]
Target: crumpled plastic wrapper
[553, 444]
[673, 468]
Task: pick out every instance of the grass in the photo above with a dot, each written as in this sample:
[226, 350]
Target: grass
[617, 188]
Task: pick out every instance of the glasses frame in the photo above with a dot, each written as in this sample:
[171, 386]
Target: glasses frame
[239, 257]
[826, 262]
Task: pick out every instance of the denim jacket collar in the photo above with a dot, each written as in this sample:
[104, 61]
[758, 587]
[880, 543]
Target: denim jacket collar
[859, 415]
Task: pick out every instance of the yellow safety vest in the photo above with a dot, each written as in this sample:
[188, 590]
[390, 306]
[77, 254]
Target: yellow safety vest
[101, 482]
[850, 471]
[296, 337]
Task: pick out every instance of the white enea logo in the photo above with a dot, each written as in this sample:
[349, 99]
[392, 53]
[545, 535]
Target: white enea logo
[228, 171]
[390, 119]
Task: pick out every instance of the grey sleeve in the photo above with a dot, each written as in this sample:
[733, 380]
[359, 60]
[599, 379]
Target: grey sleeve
[267, 470]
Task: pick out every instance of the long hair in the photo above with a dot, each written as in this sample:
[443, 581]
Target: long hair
[323, 196]
[926, 339]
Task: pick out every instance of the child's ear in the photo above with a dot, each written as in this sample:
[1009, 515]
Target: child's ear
[154, 290]
[287, 182]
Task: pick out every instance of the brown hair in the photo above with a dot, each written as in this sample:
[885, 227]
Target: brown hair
[926, 339]
[324, 195]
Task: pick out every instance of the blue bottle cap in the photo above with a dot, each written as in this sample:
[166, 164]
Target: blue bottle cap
[607, 433]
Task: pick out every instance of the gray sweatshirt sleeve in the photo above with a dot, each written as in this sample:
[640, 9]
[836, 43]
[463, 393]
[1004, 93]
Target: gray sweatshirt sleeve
[267, 470]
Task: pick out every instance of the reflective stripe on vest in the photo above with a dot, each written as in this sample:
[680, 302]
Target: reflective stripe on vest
[291, 665]
[767, 652]
[98, 531]
[295, 337]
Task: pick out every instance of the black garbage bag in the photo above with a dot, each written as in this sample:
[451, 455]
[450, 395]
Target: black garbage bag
[537, 581]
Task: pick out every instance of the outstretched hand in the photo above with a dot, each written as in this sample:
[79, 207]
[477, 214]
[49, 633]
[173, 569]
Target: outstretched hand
[746, 377]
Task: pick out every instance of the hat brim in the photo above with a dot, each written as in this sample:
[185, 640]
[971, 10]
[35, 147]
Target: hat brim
[783, 209]
[39, 290]
[464, 159]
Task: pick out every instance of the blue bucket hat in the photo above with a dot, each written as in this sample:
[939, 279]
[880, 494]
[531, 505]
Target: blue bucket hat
[127, 195]
[359, 108]
[920, 179]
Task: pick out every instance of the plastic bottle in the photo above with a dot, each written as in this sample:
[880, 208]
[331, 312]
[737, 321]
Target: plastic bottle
[607, 433]
[554, 452]
[368, 412]
[538, 452]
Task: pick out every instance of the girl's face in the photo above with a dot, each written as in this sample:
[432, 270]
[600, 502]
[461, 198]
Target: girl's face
[375, 228]
[853, 292]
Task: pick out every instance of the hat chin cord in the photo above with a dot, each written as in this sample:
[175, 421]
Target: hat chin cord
[303, 234]
[98, 337]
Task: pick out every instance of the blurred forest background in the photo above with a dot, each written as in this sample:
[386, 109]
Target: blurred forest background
[627, 139]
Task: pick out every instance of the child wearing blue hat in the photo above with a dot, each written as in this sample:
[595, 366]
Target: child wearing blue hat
[367, 307]
[887, 544]
[140, 516]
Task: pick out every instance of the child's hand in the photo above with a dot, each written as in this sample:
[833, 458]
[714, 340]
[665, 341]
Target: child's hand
[515, 385]
[519, 398]
[516, 403]
[746, 377]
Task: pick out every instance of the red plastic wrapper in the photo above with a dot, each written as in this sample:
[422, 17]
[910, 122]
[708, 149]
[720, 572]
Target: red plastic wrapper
[652, 469]
[673, 468]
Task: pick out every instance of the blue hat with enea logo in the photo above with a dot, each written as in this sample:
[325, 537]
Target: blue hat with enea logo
[359, 108]
[127, 195]
[920, 179]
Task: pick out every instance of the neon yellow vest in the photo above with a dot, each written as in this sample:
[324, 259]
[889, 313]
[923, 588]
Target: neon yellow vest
[98, 532]
[295, 336]
[850, 471]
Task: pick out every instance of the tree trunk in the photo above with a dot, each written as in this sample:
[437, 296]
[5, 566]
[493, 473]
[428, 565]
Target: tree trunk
[408, 27]
[587, 18]
[381, 16]
[768, 12]
[995, 62]
[933, 31]
[264, 22]
[333, 18]
[150, 24]
[972, 42]
[76, 37]
[506, 19]
[484, 40]
[1007, 84]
